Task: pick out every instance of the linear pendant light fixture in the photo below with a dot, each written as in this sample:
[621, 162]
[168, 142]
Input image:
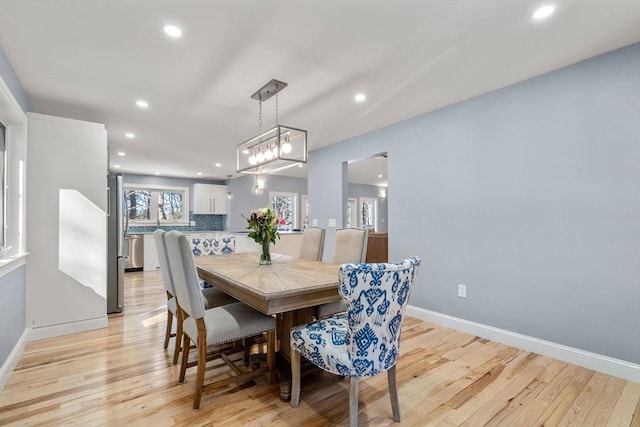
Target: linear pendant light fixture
[279, 148]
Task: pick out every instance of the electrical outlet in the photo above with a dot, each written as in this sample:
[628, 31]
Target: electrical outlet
[332, 222]
[314, 222]
[462, 291]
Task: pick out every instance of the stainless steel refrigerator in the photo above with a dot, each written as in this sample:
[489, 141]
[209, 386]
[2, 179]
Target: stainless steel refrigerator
[116, 258]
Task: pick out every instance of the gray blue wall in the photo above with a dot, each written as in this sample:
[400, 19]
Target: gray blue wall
[244, 202]
[528, 195]
[363, 190]
[12, 311]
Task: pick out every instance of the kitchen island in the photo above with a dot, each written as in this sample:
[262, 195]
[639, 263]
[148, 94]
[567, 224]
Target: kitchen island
[288, 244]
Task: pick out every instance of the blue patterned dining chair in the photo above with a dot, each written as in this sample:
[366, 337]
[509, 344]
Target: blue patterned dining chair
[365, 340]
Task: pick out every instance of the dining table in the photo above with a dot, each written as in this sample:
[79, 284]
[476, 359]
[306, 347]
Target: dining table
[289, 288]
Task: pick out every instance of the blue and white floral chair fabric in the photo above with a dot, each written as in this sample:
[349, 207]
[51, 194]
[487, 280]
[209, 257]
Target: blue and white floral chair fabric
[365, 340]
[205, 247]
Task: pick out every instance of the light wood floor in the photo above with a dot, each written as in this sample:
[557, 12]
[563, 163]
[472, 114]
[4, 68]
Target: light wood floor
[121, 376]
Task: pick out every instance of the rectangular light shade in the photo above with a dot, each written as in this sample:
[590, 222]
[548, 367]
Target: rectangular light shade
[275, 150]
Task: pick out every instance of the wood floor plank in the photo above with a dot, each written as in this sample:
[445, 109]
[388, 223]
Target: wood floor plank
[121, 375]
[627, 409]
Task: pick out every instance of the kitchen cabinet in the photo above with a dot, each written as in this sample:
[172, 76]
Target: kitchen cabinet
[246, 244]
[151, 261]
[210, 199]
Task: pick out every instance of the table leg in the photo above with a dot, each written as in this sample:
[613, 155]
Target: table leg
[285, 322]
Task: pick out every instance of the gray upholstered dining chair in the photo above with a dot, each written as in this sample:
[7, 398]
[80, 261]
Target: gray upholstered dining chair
[365, 340]
[350, 247]
[218, 326]
[312, 243]
[212, 297]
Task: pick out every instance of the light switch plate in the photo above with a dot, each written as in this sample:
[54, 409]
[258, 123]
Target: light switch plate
[462, 291]
[314, 222]
[332, 222]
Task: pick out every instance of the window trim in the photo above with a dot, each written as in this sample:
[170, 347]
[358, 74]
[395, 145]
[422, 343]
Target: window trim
[3, 180]
[304, 210]
[353, 220]
[158, 188]
[375, 211]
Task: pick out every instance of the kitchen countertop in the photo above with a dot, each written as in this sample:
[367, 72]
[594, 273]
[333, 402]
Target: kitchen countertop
[132, 233]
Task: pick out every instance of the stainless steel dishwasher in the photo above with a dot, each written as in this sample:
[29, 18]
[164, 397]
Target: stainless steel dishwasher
[133, 252]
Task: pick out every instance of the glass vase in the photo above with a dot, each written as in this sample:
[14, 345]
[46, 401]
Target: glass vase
[265, 256]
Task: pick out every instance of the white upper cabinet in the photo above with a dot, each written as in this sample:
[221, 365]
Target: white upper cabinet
[210, 199]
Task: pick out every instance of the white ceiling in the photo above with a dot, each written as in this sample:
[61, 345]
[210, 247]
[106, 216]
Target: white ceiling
[92, 60]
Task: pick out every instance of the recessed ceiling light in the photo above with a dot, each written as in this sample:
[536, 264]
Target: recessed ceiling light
[199, 173]
[130, 135]
[543, 12]
[360, 97]
[218, 165]
[380, 176]
[157, 173]
[116, 166]
[142, 103]
[172, 31]
[121, 153]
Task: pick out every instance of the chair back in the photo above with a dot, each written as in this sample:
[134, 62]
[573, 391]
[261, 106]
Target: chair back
[312, 243]
[219, 246]
[165, 270]
[184, 273]
[350, 245]
[376, 296]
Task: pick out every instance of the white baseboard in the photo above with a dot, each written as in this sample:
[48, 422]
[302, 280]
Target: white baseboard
[67, 328]
[11, 362]
[597, 362]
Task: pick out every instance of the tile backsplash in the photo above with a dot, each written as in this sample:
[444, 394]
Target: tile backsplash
[203, 223]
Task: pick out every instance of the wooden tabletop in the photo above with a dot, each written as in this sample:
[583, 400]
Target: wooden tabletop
[287, 284]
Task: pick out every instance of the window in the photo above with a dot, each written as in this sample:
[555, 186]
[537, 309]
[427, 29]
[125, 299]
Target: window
[284, 205]
[160, 205]
[137, 205]
[352, 218]
[3, 157]
[367, 212]
[170, 206]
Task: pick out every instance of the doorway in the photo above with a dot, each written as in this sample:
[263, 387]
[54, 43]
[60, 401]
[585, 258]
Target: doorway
[366, 202]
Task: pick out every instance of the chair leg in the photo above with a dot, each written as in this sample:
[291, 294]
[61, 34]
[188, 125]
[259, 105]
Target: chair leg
[167, 333]
[246, 343]
[176, 349]
[271, 356]
[353, 401]
[295, 378]
[202, 363]
[393, 393]
[185, 356]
